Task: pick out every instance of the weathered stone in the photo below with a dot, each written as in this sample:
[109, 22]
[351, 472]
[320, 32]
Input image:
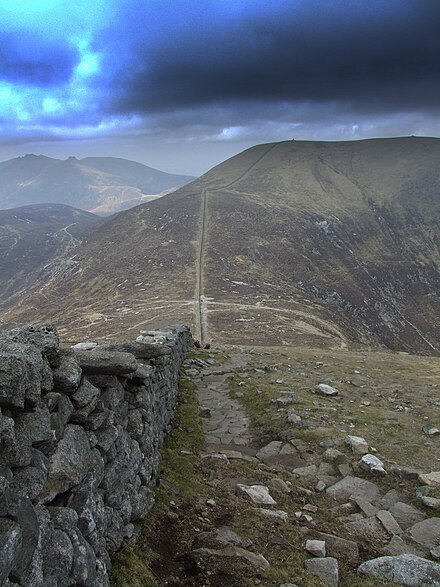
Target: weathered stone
[406, 515]
[388, 522]
[430, 502]
[354, 487]
[372, 464]
[84, 346]
[368, 530]
[333, 455]
[10, 543]
[269, 451]
[357, 444]
[258, 494]
[426, 533]
[61, 416]
[98, 361]
[339, 548]
[326, 390]
[63, 518]
[42, 336]
[316, 547]
[365, 506]
[86, 396]
[69, 464]
[279, 485]
[324, 568]
[31, 480]
[405, 472]
[84, 560]
[140, 350]
[67, 375]
[58, 557]
[431, 479]
[397, 545]
[30, 528]
[405, 569]
[278, 514]
[309, 471]
[389, 499]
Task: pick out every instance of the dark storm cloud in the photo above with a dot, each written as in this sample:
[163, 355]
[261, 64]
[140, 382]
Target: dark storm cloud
[35, 61]
[372, 56]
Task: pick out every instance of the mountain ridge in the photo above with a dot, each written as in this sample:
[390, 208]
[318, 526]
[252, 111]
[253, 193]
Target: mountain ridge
[102, 185]
[318, 244]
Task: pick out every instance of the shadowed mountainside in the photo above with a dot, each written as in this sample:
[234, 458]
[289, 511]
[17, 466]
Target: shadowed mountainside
[102, 185]
[317, 244]
[36, 243]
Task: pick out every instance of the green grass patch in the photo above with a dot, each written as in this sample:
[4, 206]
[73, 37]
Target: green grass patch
[131, 564]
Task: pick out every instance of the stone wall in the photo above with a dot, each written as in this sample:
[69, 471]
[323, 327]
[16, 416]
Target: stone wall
[80, 432]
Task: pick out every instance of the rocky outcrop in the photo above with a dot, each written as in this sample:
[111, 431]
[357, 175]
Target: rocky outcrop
[80, 433]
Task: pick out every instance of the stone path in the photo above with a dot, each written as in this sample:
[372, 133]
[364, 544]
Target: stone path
[227, 424]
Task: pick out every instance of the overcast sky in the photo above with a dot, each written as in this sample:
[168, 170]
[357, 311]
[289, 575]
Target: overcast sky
[182, 84]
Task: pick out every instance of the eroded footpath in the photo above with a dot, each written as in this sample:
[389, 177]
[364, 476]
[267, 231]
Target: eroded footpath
[297, 482]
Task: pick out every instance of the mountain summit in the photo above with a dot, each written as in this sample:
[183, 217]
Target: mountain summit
[102, 185]
[310, 243]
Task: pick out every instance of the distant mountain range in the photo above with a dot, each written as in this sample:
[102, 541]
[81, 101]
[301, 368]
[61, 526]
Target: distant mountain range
[312, 243]
[102, 185]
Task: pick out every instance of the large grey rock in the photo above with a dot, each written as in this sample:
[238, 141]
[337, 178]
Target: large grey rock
[69, 464]
[11, 537]
[269, 451]
[84, 560]
[405, 569]
[406, 515]
[372, 464]
[426, 533]
[42, 336]
[354, 487]
[67, 375]
[24, 373]
[337, 547]
[30, 528]
[58, 557]
[324, 568]
[106, 362]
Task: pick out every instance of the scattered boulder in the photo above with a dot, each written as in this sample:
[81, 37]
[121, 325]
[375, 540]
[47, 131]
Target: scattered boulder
[279, 514]
[258, 494]
[326, 390]
[431, 479]
[406, 515]
[405, 569]
[324, 568]
[357, 444]
[316, 547]
[426, 533]
[354, 487]
[372, 464]
[338, 547]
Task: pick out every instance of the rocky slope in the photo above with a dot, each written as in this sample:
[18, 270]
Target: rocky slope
[103, 185]
[36, 243]
[317, 244]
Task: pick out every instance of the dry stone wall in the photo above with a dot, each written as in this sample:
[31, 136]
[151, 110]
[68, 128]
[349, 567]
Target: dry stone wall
[80, 432]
